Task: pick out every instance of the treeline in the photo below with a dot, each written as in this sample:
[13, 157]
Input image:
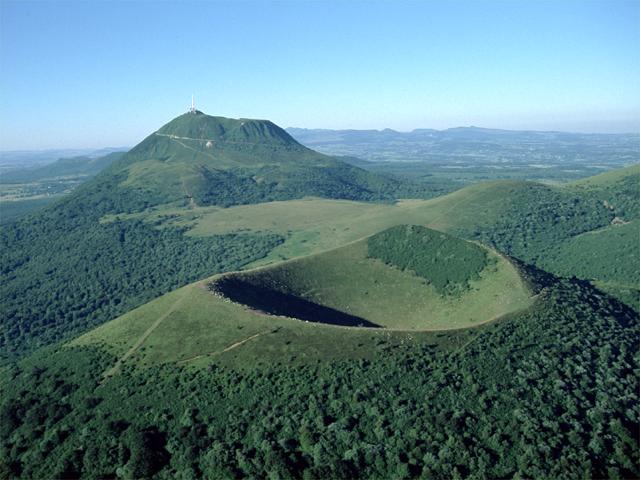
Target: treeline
[622, 197]
[550, 393]
[63, 270]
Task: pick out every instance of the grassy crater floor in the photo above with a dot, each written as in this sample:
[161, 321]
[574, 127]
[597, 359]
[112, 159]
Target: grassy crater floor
[433, 282]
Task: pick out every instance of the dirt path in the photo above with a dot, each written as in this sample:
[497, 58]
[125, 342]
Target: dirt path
[192, 202]
[212, 140]
[230, 347]
[199, 152]
[173, 137]
[113, 370]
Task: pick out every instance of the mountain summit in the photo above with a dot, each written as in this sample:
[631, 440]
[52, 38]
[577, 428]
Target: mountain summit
[199, 126]
[198, 159]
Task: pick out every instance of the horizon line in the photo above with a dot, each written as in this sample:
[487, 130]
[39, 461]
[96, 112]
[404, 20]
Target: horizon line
[127, 147]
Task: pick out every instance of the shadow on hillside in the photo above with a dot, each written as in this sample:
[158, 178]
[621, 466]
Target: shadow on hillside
[277, 303]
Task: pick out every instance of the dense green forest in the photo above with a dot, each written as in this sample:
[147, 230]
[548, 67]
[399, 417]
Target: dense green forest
[585, 257]
[237, 186]
[590, 231]
[527, 229]
[64, 271]
[402, 246]
[11, 211]
[549, 393]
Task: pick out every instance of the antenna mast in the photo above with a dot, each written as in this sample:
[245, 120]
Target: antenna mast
[193, 106]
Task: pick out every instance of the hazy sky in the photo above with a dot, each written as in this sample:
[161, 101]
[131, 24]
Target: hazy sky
[93, 74]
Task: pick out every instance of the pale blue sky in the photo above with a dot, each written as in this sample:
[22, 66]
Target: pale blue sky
[93, 74]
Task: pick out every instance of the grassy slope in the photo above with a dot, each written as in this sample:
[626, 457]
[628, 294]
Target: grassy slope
[608, 178]
[205, 325]
[314, 225]
[202, 325]
[346, 280]
[606, 255]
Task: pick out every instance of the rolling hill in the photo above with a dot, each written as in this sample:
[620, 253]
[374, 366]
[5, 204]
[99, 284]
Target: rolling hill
[530, 221]
[406, 277]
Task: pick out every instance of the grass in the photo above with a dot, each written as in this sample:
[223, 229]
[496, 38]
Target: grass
[204, 327]
[607, 178]
[347, 280]
[120, 334]
[314, 225]
[206, 324]
[351, 220]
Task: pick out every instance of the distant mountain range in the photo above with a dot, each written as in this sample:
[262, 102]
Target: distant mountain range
[81, 166]
[20, 159]
[468, 143]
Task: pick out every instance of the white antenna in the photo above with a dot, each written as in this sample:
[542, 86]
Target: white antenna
[193, 106]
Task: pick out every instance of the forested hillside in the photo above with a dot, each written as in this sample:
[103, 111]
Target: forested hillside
[589, 229]
[550, 393]
[64, 271]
